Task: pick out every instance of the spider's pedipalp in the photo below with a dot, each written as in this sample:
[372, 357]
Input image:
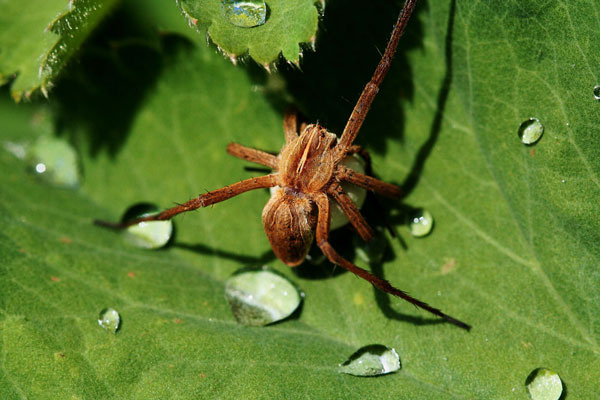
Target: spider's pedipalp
[290, 124]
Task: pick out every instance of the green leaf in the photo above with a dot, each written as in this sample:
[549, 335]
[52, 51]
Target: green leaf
[514, 250]
[288, 23]
[37, 40]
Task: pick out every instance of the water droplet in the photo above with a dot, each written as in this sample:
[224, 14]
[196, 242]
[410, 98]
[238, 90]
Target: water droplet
[371, 252]
[18, 150]
[109, 319]
[531, 131]
[597, 92]
[421, 223]
[245, 14]
[544, 384]
[258, 296]
[147, 235]
[55, 161]
[371, 360]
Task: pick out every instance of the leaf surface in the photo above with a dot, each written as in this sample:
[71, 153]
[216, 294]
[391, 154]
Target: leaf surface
[514, 250]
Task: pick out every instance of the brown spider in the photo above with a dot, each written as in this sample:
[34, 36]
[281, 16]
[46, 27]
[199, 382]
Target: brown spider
[307, 174]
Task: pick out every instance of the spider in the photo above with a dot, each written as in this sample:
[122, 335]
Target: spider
[307, 174]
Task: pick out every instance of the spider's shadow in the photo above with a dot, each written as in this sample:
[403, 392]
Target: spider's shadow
[114, 72]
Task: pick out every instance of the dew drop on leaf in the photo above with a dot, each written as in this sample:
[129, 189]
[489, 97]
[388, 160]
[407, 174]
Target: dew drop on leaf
[371, 252]
[372, 360]
[147, 235]
[421, 223]
[109, 319]
[54, 161]
[530, 131]
[597, 92]
[259, 297]
[245, 14]
[544, 384]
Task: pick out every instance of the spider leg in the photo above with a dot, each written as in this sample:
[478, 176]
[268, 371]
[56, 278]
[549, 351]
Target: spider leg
[349, 208]
[253, 155]
[322, 241]
[290, 124]
[346, 174]
[206, 199]
[368, 94]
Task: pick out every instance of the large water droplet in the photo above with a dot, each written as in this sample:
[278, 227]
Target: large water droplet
[259, 297]
[245, 14]
[148, 235]
[421, 223]
[530, 131]
[109, 319]
[597, 92]
[55, 161]
[544, 384]
[372, 360]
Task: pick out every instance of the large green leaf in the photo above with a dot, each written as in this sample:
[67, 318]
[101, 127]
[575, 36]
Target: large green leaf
[514, 251]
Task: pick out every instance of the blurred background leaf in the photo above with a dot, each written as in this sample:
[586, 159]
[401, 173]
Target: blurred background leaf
[39, 38]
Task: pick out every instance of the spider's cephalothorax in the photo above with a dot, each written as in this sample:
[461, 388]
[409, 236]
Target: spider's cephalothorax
[308, 174]
[307, 163]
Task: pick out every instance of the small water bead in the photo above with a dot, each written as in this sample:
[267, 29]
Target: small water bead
[372, 360]
[147, 235]
[109, 319]
[421, 223]
[597, 92]
[258, 296]
[544, 384]
[245, 14]
[530, 131]
[55, 161]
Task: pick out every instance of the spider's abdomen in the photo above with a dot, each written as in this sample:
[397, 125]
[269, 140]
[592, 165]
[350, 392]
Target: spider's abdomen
[289, 220]
[307, 163]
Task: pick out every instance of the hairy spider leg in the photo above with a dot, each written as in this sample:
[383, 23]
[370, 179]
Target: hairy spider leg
[322, 202]
[349, 208]
[204, 200]
[346, 174]
[357, 117]
[253, 155]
